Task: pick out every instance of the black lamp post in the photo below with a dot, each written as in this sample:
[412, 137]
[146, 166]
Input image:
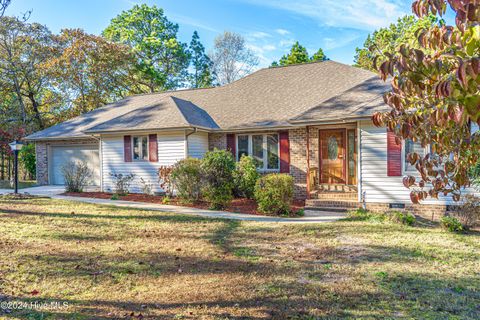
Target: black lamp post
[16, 146]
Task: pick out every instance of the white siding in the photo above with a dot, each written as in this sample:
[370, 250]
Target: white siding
[373, 169]
[171, 148]
[197, 144]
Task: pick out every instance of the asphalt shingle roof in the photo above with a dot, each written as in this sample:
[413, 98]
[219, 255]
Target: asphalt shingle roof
[271, 97]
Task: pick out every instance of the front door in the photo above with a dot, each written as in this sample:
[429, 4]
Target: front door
[332, 156]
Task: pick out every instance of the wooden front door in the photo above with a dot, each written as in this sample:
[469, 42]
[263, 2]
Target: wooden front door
[332, 156]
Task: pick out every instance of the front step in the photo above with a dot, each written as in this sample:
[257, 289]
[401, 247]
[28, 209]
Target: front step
[337, 188]
[348, 196]
[328, 209]
[346, 205]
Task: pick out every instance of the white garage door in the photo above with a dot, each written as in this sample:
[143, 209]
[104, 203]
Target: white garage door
[60, 155]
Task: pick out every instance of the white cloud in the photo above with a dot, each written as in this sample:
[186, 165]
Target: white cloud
[259, 35]
[359, 14]
[191, 22]
[286, 42]
[343, 40]
[269, 47]
[282, 32]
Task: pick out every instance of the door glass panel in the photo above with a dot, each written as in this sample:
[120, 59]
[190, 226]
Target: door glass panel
[351, 154]
[242, 146]
[332, 148]
[257, 150]
[272, 151]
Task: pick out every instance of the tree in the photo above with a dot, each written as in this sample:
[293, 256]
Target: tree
[162, 60]
[91, 71]
[319, 56]
[231, 58]
[298, 54]
[24, 47]
[202, 76]
[3, 6]
[435, 97]
[390, 38]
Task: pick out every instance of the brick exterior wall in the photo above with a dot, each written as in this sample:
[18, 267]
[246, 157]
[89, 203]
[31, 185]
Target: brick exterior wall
[298, 161]
[217, 140]
[41, 152]
[426, 211]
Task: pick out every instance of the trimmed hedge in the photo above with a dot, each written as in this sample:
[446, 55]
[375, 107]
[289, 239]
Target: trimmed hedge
[245, 177]
[274, 193]
[187, 178]
[217, 170]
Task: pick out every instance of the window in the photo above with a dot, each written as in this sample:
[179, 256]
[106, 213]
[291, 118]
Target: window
[140, 148]
[264, 149]
[411, 146]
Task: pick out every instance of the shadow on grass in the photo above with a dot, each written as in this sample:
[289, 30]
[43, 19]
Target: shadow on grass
[407, 295]
[152, 216]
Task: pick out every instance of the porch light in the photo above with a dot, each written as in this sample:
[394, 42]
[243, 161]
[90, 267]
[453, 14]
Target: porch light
[16, 146]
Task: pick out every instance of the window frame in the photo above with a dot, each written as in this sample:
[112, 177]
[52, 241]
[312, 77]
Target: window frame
[264, 148]
[410, 169]
[140, 138]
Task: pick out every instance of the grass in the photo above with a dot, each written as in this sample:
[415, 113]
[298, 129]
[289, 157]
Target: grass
[109, 263]
[4, 184]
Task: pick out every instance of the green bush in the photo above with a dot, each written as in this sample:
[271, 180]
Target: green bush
[187, 178]
[245, 177]
[405, 218]
[451, 224]
[217, 171]
[26, 158]
[274, 193]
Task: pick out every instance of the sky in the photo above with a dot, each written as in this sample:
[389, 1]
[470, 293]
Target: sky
[269, 26]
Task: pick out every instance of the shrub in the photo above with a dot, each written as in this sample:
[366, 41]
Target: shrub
[114, 197]
[451, 224]
[165, 179]
[405, 218]
[468, 213]
[245, 177]
[217, 171]
[27, 159]
[76, 176]
[122, 182]
[147, 187]
[187, 179]
[274, 193]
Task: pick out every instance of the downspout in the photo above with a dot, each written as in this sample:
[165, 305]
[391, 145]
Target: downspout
[186, 140]
[308, 162]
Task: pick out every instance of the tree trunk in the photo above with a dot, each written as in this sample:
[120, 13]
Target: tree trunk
[2, 168]
[35, 106]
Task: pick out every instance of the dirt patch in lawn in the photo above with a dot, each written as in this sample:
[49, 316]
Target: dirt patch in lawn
[238, 205]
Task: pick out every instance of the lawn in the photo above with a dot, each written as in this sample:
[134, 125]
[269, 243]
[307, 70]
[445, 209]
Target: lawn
[4, 184]
[103, 262]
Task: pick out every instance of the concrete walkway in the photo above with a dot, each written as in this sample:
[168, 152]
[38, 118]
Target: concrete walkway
[55, 193]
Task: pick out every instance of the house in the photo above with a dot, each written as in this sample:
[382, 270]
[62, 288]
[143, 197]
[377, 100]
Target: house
[312, 121]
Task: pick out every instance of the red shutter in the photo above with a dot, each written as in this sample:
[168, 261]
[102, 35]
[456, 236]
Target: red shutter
[231, 146]
[284, 152]
[394, 156]
[152, 148]
[127, 148]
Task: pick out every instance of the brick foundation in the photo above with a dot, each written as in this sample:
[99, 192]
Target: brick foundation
[427, 211]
